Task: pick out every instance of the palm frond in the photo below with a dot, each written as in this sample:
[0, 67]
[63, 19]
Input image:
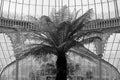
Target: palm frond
[83, 52]
[55, 38]
[69, 44]
[44, 23]
[38, 51]
[90, 40]
[84, 17]
[82, 34]
[79, 23]
[61, 15]
[75, 15]
[64, 29]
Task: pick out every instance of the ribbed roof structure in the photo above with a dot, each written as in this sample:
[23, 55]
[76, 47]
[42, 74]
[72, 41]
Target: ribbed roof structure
[102, 10]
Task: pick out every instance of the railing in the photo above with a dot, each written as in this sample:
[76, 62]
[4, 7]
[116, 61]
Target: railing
[103, 24]
[93, 25]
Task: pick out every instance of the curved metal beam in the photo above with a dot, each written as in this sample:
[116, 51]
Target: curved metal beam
[13, 62]
[82, 52]
[94, 56]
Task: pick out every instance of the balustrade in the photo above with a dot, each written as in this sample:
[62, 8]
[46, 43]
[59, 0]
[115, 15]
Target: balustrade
[95, 24]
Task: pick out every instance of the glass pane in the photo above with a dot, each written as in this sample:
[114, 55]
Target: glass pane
[105, 10]
[85, 8]
[112, 54]
[32, 2]
[97, 1]
[118, 3]
[112, 10]
[19, 9]
[5, 8]
[99, 11]
[111, 38]
[25, 9]
[118, 54]
[91, 1]
[39, 2]
[103, 0]
[115, 46]
[115, 63]
[109, 46]
[26, 1]
[85, 2]
[78, 2]
[93, 7]
[32, 10]
[107, 54]
[20, 1]
[45, 10]
[38, 11]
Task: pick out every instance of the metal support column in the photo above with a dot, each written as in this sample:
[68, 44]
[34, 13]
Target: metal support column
[17, 69]
[116, 8]
[100, 67]
[99, 45]
[99, 50]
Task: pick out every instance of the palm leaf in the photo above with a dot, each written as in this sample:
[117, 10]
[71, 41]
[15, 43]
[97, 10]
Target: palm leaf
[90, 40]
[76, 14]
[83, 18]
[82, 34]
[64, 29]
[79, 23]
[38, 51]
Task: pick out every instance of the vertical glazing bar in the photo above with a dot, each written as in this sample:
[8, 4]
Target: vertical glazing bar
[28, 11]
[88, 5]
[62, 3]
[55, 5]
[22, 10]
[69, 9]
[116, 52]
[108, 8]
[17, 69]
[118, 64]
[35, 8]
[102, 9]
[112, 47]
[42, 7]
[55, 11]
[82, 6]
[9, 9]
[1, 63]
[95, 10]
[1, 8]
[48, 7]
[6, 46]
[75, 5]
[116, 8]
[15, 9]
[3, 52]
[100, 69]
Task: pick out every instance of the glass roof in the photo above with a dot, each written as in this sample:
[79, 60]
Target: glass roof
[21, 9]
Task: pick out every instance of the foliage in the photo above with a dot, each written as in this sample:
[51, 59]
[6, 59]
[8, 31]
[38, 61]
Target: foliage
[59, 33]
[49, 69]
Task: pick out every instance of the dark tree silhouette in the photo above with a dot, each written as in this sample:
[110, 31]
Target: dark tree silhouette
[57, 35]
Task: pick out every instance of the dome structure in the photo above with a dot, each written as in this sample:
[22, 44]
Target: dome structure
[106, 16]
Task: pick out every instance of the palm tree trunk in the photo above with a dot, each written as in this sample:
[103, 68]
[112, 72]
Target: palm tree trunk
[61, 65]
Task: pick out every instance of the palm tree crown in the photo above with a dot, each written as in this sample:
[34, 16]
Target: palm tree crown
[59, 33]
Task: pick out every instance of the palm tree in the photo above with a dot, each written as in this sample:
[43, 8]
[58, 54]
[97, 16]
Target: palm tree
[58, 35]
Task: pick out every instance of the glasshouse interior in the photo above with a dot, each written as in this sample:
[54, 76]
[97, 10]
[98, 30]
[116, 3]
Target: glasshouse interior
[59, 40]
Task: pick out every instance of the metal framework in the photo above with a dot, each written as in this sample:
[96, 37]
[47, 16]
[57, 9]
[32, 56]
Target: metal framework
[106, 15]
